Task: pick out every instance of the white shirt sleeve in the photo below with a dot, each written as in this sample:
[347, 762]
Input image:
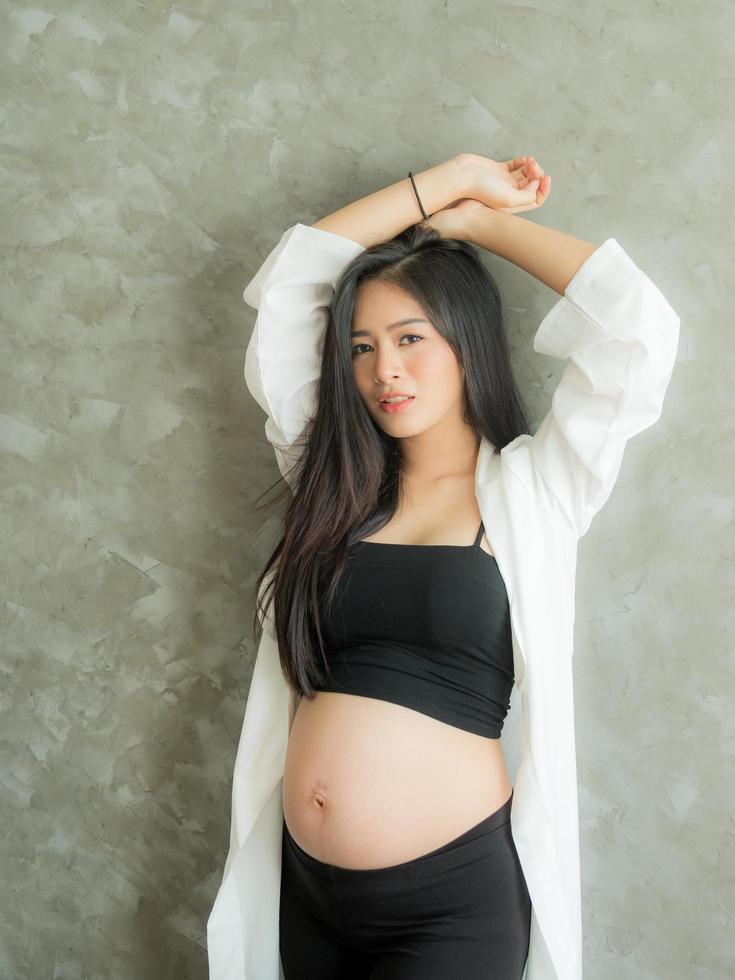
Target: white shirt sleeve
[292, 292]
[619, 336]
[613, 326]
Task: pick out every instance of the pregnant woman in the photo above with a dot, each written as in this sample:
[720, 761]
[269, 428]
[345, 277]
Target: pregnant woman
[425, 572]
[397, 848]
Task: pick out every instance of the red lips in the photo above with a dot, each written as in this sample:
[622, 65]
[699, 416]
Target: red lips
[395, 394]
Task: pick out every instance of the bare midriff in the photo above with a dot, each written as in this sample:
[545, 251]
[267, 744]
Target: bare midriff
[368, 783]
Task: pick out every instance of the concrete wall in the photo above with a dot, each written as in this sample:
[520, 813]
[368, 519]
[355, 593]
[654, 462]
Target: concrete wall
[151, 155]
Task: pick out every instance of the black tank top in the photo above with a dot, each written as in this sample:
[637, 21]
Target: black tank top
[425, 626]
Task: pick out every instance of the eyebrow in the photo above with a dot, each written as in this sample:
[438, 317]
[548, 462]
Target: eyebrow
[398, 323]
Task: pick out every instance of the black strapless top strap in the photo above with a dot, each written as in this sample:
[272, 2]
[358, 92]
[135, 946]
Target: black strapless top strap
[479, 535]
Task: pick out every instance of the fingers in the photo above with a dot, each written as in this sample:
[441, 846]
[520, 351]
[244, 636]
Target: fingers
[540, 192]
[533, 172]
[525, 170]
[525, 163]
[515, 164]
[543, 189]
[534, 197]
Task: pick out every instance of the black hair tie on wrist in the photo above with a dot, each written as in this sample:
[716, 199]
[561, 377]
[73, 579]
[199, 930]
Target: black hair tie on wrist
[417, 196]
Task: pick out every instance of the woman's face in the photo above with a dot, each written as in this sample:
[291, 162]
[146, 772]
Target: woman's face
[412, 357]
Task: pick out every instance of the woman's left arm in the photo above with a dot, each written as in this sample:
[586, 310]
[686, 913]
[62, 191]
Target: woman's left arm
[618, 335]
[551, 256]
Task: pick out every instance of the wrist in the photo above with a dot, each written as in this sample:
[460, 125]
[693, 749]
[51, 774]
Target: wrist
[485, 227]
[439, 186]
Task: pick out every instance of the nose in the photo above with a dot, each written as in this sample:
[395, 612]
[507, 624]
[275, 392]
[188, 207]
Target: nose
[387, 365]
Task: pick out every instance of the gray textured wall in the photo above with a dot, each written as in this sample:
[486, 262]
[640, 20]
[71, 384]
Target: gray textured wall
[151, 155]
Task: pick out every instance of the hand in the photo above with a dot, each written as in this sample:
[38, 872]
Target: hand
[511, 186]
[515, 185]
[454, 221]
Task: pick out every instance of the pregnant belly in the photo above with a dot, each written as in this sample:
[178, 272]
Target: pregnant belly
[369, 784]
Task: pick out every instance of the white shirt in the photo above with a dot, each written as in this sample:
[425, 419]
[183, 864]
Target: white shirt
[537, 497]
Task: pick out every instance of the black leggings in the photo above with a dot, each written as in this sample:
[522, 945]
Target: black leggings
[462, 910]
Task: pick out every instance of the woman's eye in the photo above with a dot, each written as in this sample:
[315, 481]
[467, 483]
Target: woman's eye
[411, 336]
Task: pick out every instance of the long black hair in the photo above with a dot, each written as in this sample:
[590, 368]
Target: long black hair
[347, 471]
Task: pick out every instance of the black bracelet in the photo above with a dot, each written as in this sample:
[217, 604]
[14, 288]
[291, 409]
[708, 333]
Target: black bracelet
[417, 195]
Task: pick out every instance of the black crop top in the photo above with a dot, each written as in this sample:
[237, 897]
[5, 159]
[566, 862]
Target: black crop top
[425, 626]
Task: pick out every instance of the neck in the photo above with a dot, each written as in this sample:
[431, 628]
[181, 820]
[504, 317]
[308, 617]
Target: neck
[439, 453]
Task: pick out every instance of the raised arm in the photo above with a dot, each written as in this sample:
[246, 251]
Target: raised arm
[551, 256]
[382, 215]
[619, 337]
[293, 289]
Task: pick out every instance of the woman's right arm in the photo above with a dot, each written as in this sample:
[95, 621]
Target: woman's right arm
[382, 215]
[292, 292]
[294, 286]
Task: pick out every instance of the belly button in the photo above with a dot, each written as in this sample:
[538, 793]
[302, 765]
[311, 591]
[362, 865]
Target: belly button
[319, 795]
